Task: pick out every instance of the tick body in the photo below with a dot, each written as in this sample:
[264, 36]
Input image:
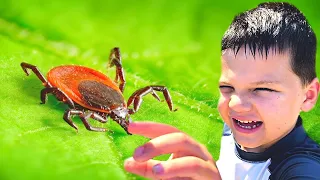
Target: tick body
[92, 94]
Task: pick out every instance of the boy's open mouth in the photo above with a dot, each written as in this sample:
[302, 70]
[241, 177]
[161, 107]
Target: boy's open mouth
[247, 124]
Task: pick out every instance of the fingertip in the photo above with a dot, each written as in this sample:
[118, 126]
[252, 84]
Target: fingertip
[128, 160]
[132, 126]
[138, 127]
[150, 129]
[128, 163]
[138, 153]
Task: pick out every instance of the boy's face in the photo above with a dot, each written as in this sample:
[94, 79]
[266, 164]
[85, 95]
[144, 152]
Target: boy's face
[260, 98]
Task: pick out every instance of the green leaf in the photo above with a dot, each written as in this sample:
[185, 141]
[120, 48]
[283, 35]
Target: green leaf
[171, 43]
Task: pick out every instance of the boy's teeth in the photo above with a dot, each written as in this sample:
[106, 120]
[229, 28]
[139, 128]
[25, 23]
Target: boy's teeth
[248, 124]
[246, 121]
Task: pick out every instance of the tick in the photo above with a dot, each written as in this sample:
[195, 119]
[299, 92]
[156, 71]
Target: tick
[91, 94]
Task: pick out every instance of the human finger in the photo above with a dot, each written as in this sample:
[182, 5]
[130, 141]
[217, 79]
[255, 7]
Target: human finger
[186, 167]
[181, 168]
[145, 168]
[151, 129]
[177, 143]
[180, 178]
[140, 168]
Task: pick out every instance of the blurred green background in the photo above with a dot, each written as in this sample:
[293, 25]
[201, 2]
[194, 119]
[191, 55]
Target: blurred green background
[172, 43]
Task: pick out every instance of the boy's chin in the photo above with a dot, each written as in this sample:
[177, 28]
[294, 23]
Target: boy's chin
[250, 146]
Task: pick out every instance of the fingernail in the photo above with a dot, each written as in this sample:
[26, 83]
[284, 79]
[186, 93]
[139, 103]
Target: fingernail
[139, 151]
[157, 169]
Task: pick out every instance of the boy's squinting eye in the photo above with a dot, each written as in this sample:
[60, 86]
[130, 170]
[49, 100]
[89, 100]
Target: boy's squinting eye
[229, 89]
[264, 89]
[226, 89]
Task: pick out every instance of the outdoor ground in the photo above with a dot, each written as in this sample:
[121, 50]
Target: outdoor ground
[172, 43]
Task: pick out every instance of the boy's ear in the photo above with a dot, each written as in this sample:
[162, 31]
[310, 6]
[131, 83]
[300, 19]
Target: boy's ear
[312, 93]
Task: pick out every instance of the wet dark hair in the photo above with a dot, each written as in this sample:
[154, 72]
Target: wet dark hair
[280, 26]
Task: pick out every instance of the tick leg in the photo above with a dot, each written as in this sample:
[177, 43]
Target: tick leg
[26, 66]
[115, 60]
[136, 97]
[60, 95]
[84, 118]
[96, 116]
[67, 116]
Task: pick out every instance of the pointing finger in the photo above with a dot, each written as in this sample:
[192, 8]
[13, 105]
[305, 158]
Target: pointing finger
[181, 168]
[177, 143]
[151, 129]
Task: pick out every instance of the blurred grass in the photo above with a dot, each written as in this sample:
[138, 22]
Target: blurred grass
[174, 43]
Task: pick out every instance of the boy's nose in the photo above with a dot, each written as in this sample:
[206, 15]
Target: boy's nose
[239, 104]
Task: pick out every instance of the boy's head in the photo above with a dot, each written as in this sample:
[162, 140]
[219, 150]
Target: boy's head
[268, 74]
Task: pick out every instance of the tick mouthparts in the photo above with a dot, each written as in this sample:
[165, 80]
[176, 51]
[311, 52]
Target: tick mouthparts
[129, 120]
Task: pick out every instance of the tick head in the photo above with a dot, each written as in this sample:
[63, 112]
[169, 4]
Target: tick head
[122, 117]
[120, 114]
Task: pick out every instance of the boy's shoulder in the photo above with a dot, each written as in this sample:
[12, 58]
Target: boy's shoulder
[295, 155]
[298, 166]
[298, 156]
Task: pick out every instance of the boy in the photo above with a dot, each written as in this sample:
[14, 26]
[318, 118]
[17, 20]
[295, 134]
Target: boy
[268, 77]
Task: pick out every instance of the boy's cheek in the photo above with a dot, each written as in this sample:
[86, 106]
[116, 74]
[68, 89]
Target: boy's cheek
[223, 108]
[222, 104]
